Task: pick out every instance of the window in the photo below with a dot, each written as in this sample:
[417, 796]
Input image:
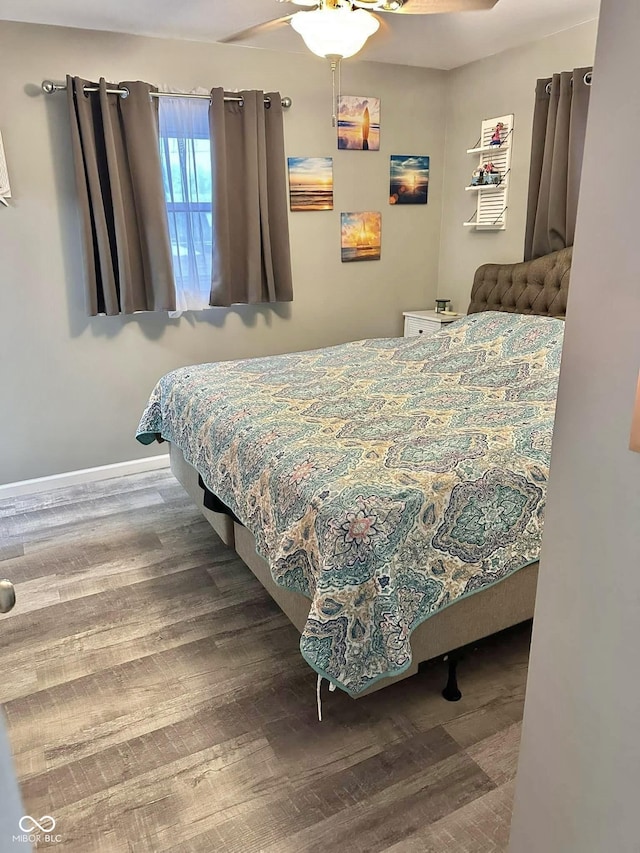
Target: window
[185, 152]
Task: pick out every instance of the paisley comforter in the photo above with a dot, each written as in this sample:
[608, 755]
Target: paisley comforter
[383, 479]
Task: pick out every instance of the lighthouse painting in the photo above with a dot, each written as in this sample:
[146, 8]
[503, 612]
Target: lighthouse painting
[359, 123]
[361, 236]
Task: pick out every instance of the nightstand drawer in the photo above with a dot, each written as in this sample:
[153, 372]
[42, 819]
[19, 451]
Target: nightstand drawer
[420, 326]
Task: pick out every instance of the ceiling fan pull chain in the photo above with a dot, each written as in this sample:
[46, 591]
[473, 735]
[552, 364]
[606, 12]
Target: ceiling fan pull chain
[335, 66]
[333, 92]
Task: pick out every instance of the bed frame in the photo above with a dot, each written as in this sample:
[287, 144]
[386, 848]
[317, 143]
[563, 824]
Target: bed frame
[534, 287]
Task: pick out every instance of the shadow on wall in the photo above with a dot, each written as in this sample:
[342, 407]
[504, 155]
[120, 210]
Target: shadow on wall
[151, 324]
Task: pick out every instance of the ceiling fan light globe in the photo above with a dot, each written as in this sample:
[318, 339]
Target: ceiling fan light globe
[309, 3]
[335, 32]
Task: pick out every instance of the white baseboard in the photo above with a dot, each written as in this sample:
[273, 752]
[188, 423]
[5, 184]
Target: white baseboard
[84, 475]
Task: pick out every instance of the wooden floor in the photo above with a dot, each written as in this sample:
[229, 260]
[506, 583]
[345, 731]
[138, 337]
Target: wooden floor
[157, 700]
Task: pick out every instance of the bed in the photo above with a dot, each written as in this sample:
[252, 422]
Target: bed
[389, 494]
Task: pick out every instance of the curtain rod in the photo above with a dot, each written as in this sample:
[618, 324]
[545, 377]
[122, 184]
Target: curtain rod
[588, 79]
[48, 87]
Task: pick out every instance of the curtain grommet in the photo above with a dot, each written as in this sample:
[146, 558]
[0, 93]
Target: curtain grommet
[125, 92]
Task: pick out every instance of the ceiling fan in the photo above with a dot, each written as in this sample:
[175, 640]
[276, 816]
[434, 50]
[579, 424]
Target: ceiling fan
[338, 29]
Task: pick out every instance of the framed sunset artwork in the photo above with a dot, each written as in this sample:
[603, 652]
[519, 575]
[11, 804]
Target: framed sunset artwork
[409, 179]
[310, 183]
[358, 123]
[361, 236]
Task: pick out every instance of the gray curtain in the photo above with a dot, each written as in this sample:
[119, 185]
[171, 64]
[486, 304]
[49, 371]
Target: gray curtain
[251, 256]
[559, 125]
[121, 197]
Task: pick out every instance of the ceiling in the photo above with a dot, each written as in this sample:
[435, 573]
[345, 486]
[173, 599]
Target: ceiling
[432, 41]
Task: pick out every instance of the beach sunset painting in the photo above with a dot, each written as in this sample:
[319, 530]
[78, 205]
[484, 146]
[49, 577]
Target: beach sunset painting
[409, 183]
[361, 236]
[311, 183]
[359, 123]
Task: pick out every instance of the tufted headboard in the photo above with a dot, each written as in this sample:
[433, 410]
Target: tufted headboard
[531, 287]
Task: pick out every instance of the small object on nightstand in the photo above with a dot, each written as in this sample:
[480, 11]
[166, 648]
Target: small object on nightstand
[426, 322]
[441, 305]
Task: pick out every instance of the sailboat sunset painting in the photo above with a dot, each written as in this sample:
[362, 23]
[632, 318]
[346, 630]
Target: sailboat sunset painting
[359, 123]
[361, 236]
[409, 183]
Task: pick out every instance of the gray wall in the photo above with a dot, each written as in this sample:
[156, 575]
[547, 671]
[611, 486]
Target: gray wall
[73, 387]
[579, 775]
[495, 86]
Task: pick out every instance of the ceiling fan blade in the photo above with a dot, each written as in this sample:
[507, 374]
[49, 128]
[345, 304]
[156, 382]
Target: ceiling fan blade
[258, 29]
[432, 7]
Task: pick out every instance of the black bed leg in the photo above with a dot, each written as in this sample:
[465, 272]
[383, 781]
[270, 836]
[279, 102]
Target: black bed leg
[451, 692]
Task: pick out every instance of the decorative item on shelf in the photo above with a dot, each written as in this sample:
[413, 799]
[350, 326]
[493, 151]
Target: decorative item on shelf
[477, 178]
[491, 174]
[496, 139]
[441, 305]
[486, 175]
[409, 179]
[489, 181]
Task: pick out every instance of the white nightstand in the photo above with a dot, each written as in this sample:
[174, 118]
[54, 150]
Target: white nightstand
[425, 322]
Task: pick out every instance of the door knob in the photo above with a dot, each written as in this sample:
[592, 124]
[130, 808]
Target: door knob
[7, 596]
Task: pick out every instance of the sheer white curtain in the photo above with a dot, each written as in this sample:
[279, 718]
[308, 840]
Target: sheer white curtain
[185, 150]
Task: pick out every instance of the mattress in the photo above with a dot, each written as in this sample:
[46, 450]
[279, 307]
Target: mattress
[383, 479]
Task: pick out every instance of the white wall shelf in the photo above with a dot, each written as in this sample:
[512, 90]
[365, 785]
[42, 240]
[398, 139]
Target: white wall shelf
[492, 199]
[487, 149]
[487, 187]
[490, 227]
